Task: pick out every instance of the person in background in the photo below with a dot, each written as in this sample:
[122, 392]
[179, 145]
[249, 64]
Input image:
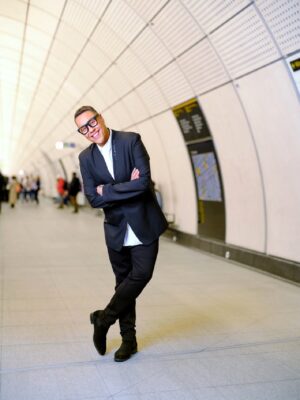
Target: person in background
[13, 192]
[116, 176]
[1, 189]
[74, 189]
[60, 187]
[36, 188]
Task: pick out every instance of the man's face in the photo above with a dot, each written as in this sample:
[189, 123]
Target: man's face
[97, 134]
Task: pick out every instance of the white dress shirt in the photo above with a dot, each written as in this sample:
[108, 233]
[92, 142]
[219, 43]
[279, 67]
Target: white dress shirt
[106, 151]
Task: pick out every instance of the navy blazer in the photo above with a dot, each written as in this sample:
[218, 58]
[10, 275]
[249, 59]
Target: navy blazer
[123, 201]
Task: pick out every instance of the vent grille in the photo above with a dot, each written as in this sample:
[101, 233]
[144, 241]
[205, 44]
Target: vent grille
[283, 18]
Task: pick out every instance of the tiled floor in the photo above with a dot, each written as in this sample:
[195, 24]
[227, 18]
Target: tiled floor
[207, 329]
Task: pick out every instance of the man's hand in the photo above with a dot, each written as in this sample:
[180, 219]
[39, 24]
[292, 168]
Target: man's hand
[135, 174]
[99, 189]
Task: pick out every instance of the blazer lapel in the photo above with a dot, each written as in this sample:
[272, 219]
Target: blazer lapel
[100, 165]
[115, 154]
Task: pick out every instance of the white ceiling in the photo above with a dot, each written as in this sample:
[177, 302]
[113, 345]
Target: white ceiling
[122, 56]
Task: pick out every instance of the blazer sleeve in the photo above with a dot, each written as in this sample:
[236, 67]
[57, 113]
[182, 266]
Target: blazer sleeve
[89, 188]
[126, 190]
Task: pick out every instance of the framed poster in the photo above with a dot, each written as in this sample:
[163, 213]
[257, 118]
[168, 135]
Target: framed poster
[191, 120]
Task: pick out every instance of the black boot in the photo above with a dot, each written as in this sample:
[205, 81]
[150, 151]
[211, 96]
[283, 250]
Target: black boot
[100, 331]
[126, 350]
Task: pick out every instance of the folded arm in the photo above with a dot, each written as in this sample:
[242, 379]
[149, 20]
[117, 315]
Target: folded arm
[140, 177]
[89, 189]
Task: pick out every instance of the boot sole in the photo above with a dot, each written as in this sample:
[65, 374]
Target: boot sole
[125, 359]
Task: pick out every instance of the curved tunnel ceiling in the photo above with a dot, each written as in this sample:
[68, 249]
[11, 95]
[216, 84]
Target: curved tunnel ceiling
[115, 54]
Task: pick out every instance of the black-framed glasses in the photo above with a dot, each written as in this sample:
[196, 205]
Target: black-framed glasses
[92, 122]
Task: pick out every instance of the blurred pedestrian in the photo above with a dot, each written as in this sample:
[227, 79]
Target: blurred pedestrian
[13, 191]
[74, 189]
[1, 189]
[36, 188]
[60, 187]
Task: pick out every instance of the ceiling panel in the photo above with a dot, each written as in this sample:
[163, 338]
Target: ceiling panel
[244, 43]
[283, 18]
[11, 27]
[174, 85]
[106, 39]
[41, 20]
[96, 57]
[212, 14]
[52, 7]
[13, 9]
[124, 117]
[206, 71]
[149, 48]
[133, 67]
[79, 18]
[136, 106]
[121, 84]
[154, 99]
[176, 28]
[126, 28]
[147, 9]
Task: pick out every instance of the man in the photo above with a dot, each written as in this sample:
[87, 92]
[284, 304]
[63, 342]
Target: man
[116, 177]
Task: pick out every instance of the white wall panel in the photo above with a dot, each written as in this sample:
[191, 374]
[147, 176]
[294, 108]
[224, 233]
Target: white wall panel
[182, 180]
[160, 170]
[152, 96]
[244, 43]
[244, 203]
[205, 71]
[276, 126]
[283, 18]
[176, 28]
[174, 85]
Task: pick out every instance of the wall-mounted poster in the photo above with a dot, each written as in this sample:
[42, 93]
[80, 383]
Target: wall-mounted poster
[294, 65]
[207, 176]
[191, 120]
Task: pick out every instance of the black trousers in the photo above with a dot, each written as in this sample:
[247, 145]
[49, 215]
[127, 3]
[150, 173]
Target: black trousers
[133, 268]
